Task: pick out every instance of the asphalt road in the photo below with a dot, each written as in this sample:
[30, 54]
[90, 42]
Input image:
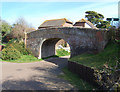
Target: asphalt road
[41, 75]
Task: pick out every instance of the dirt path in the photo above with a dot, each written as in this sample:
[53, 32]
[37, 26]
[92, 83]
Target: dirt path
[35, 76]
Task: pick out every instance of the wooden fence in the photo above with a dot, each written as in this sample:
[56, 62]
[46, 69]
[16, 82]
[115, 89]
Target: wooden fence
[86, 73]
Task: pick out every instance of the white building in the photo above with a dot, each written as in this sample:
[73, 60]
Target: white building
[85, 24]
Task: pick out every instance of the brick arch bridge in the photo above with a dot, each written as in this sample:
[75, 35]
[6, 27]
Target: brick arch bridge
[81, 40]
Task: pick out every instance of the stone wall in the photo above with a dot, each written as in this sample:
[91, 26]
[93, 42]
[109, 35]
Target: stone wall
[81, 40]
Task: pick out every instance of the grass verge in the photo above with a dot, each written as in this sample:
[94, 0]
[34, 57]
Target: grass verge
[75, 80]
[109, 56]
[30, 58]
[24, 59]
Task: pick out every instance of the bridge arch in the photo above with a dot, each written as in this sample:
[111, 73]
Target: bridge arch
[47, 47]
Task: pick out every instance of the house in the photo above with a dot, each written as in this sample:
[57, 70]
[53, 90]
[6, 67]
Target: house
[56, 23]
[85, 24]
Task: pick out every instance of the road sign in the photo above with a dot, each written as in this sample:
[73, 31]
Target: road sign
[112, 19]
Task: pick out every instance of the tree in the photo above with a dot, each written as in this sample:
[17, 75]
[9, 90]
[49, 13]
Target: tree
[97, 19]
[5, 29]
[19, 28]
[103, 24]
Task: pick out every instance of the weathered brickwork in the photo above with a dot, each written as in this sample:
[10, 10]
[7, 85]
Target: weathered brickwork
[81, 40]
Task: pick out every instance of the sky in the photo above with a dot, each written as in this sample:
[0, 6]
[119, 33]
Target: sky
[36, 13]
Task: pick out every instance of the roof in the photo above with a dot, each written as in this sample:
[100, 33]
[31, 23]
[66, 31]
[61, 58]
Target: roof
[31, 29]
[55, 22]
[88, 22]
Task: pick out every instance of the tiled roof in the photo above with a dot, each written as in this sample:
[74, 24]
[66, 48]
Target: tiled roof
[55, 22]
[31, 29]
[88, 22]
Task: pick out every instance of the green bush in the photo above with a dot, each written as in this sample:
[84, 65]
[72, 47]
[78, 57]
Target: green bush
[10, 53]
[20, 47]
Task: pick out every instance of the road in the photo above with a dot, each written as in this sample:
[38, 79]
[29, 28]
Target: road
[41, 75]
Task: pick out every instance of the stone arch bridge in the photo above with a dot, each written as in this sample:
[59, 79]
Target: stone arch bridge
[81, 40]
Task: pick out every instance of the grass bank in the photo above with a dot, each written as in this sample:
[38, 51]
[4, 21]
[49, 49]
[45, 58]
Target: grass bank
[109, 57]
[75, 80]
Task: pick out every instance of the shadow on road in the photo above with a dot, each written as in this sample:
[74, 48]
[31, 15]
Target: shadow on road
[23, 85]
[60, 61]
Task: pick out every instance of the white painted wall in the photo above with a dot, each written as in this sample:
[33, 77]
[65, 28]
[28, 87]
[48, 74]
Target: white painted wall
[87, 26]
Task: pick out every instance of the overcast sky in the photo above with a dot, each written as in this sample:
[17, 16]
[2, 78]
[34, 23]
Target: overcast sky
[37, 12]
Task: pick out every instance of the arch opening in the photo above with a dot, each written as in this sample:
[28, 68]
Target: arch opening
[50, 46]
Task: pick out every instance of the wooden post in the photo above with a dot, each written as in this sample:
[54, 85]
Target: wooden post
[25, 39]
